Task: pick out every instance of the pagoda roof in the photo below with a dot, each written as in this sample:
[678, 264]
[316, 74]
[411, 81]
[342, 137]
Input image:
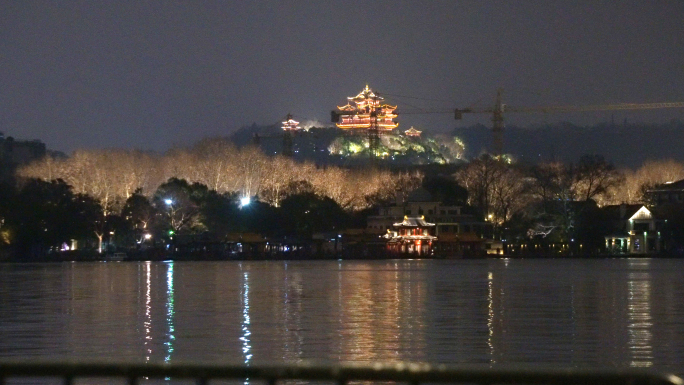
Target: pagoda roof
[412, 132]
[414, 222]
[365, 94]
[388, 107]
[347, 107]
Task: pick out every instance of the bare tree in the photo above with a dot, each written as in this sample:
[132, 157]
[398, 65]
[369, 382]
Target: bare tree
[510, 194]
[649, 175]
[594, 176]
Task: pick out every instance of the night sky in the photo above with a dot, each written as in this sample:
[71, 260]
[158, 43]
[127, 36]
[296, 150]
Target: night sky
[154, 74]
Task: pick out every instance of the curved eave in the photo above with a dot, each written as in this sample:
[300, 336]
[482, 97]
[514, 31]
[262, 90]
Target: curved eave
[352, 126]
[388, 126]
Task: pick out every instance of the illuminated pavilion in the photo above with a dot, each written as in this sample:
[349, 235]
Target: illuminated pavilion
[356, 114]
[413, 132]
[290, 124]
[411, 236]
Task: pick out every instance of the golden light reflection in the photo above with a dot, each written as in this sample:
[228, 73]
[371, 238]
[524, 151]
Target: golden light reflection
[246, 333]
[170, 312]
[381, 314]
[148, 311]
[490, 316]
[639, 314]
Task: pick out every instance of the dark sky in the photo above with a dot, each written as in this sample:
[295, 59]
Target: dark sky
[153, 74]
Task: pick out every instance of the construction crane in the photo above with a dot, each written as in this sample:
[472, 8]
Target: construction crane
[500, 108]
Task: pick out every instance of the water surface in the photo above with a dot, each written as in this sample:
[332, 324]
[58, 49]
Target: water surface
[598, 313]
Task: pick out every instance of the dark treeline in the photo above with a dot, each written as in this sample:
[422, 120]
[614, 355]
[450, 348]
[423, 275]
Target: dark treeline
[41, 217]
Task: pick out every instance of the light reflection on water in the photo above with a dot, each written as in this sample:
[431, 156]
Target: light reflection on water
[607, 313]
[639, 313]
[170, 313]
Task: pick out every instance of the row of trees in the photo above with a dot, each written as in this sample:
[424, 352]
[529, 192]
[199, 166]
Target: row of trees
[111, 176]
[556, 197]
[503, 189]
[126, 194]
[193, 190]
[41, 216]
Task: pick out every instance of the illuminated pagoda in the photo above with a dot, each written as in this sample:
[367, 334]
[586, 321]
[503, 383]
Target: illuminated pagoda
[359, 110]
[290, 124]
[412, 236]
[413, 132]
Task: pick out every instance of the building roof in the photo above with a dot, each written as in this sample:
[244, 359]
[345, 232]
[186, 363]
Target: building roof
[412, 132]
[669, 186]
[621, 212]
[414, 222]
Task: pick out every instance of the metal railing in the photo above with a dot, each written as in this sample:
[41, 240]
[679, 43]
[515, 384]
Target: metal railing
[409, 373]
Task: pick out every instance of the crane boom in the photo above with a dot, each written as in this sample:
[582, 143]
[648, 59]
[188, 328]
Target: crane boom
[603, 107]
[499, 108]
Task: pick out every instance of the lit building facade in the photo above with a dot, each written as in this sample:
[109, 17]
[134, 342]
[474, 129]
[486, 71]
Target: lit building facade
[359, 110]
[636, 230]
[412, 236]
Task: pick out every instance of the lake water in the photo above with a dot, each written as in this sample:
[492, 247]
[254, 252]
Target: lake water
[600, 313]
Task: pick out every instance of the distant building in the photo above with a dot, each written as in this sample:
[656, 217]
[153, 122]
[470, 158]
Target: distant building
[411, 236]
[457, 233]
[667, 193]
[447, 219]
[19, 152]
[635, 230]
[357, 113]
[412, 132]
[290, 124]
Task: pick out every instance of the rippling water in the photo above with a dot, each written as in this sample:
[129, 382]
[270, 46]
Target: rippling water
[606, 313]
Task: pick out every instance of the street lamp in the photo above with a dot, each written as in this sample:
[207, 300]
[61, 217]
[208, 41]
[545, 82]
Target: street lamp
[168, 201]
[244, 201]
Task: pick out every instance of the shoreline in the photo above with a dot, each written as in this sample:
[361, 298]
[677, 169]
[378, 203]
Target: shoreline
[156, 256]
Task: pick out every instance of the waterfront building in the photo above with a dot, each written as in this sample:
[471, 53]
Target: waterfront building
[361, 110]
[447, 219]
[413, 235]
[635, 230]
[458, 232]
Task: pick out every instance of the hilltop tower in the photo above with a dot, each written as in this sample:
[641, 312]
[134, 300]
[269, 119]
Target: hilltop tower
[289, 126]
[366, 112]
